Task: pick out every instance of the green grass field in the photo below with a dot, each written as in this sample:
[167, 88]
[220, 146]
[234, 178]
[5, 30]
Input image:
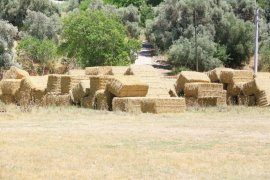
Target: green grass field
[72, 143]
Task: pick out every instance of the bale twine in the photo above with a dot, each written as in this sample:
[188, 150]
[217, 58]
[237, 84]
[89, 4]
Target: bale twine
[127, 86]
[98, 70]
[10, 86]
[203, 90]
[15, 73]
[236, 76]
[189, 77]
[81, 90]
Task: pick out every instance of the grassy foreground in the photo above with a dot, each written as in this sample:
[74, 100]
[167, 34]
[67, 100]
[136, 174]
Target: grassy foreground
[72, 143]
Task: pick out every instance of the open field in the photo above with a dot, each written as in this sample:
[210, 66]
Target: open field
[71, 143]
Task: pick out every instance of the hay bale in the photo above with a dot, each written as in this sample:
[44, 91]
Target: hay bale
[65, 84]
[119, 70]
[127, 86]
[256, 85]
[10, 86]
[39, 82]
[150, 76]
[214, 75]
[24, 94]
[203, 90]
[235, 89]
[127, 104]
[88, 101]
[56, 100]
[163, 105]
[38, 96]
[103, 100]
[98, 70]
[222, 101]
[7, 98]
[263, 98]
[236, 76]
[54, 84]
[76, 72]
[15, 73]
[99, 82]
[246, 100]
[264, 75]
[81, 90]
[189, 77]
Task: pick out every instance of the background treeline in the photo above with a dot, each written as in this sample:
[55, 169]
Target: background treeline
[39, 34]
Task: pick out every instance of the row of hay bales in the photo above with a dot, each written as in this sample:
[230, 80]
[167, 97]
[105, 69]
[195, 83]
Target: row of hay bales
[130, 89]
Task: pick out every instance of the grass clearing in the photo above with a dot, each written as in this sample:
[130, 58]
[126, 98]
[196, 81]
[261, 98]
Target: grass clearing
[72, 143]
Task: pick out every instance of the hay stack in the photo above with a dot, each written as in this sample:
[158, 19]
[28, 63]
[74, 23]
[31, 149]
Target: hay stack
[56, 100]
[189, 77]
[127, 86]
[150, 76]
[230, 76]
[10, 86]
[81, 90]
[99, 70]
[163, 105]
[119, 70]
[99, 82]
[214, 75]
[15, 73]
[203, 90]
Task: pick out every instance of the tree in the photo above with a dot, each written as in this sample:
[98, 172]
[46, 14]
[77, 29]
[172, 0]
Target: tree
[95, 38]
[7, 34]
[40, 26]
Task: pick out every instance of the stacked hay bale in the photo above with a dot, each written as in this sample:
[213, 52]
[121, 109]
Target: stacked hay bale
[149, 105]
[204, 94]
[189, 77]
[214, 75]
[9, 88]
[260, 89]
[15, 73]
[81, 90]
[119, 70]
[233, 81]
[58, 88]
[150, 76]
[39, 88]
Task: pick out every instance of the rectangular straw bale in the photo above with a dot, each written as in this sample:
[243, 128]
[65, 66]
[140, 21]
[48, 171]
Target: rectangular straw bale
[76, 72]
[236, 76]
[88, 101]
[99, 82]
[127, 86]
[141, 70]
[235, 89]
[15, 73]
[263, 98]
[189, 77]
[222, 101]
[10, 86]
[82, 89]
[214, 74]
[7, 98]
[57, 100]
[103, 100]
[39, 82]
[119, 70]
[38, 96]
[256, 85]
[203, 90]
[54, 84]
[127, 104]
[99, 70]
[264, 75]
[24, 94]
[65, 84]
[163, 105]
[246, 100]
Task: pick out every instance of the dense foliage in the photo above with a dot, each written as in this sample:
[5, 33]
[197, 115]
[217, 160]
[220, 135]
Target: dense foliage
[95, 38]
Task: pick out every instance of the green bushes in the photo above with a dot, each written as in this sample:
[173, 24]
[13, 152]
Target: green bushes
[95, 38]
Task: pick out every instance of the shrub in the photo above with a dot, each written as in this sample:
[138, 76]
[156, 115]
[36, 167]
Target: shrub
[95, 38]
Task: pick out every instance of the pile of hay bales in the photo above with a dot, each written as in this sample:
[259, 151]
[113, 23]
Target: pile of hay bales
[81, 90]
[204, 94]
